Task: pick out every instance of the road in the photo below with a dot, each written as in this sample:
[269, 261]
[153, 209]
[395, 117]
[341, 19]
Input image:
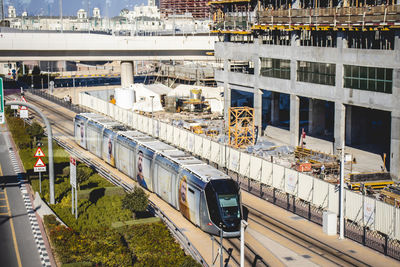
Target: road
[17, 243]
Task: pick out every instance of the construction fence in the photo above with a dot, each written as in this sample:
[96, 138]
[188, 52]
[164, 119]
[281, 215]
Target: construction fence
[368, 213]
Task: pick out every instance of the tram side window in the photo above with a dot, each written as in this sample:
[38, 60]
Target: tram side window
[212, 204]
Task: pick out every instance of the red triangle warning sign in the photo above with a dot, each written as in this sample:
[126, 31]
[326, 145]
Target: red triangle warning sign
[23, 108]
[39, 153]
[39, 163]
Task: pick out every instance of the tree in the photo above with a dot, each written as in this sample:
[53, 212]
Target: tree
[137, 201]
[35, 131]
[36, 70]
[83, 173]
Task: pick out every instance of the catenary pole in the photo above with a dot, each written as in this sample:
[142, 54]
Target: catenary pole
[341, 192]
[50, 142]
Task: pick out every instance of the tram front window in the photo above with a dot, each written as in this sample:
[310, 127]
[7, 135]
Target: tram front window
[229, 205]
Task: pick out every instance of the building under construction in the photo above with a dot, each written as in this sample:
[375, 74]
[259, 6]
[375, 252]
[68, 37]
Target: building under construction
[198, 8]
[329, 67]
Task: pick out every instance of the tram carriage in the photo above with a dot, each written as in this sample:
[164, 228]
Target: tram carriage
[204, 195]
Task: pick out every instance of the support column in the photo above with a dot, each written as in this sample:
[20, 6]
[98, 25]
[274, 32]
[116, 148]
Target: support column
[395, 145]
[274, 108]
[258, 110]
[316, 117]
[126, 73]
[294, 119]
[227, 104]
[348, 128]
[295, 38]
[339, 125]
[397, 36]
[395, 123]
[341, 40]
[296, 4]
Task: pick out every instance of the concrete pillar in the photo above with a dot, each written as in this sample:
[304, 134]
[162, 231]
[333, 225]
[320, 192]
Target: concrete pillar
[397, 36]
[294, 119]
[341, 40]
[295, 38]
[126, 73]
[274, 108]
[339, 125]
[227, 104]
[258, 110]
[395, 125]
[349, 116]
[316, 117]
[395, 145]
[296, 4]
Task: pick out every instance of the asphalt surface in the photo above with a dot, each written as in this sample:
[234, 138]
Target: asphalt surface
[17, 243]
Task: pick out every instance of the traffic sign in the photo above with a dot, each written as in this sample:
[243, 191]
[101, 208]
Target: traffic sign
[2, 102]
[72, 171]
[39, 163]
[23, 112]
[39, 153]
[39, 166]
[14, 106]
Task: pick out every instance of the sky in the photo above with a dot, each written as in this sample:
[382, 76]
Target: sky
[108, 8]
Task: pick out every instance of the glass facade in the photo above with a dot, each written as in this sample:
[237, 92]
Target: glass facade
[368, 78]
[314, 72]
[275, 67]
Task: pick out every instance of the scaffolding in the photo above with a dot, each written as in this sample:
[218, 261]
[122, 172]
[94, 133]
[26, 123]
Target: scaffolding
[198, 8]
[241, 127]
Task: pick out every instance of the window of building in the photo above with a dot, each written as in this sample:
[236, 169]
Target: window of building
[275, 67]
[246, 67]
[368, 78]
[314, 72]
[275, 37]
[219, 63]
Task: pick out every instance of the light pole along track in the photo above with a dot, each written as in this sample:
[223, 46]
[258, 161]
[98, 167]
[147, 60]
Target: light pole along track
[49, 140]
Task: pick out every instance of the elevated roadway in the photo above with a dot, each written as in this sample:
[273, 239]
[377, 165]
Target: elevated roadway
[96, 47]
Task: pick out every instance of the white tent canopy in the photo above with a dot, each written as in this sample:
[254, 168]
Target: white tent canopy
[145, 94]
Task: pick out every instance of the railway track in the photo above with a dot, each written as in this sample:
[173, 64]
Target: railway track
[316, 249]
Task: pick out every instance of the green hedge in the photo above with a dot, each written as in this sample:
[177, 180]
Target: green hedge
[155, 247]
[100, 192]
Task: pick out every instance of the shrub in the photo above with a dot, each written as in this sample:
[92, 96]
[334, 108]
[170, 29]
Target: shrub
[137, 201]
[155, 246]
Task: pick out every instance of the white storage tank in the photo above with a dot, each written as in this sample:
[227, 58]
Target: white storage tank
[125, 97]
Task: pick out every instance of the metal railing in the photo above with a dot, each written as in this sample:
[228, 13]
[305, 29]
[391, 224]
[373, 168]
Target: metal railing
[73, 107]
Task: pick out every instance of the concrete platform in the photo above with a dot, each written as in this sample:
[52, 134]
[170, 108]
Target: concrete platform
[287, 253]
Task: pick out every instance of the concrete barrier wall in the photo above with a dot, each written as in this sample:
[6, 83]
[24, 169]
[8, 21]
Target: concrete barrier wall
[361, 209]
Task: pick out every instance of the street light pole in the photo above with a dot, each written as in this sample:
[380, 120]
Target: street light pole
[152, 126]
[49, 141]
[341, 192]
[61, 17]
[221, 247]
[243, 226]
